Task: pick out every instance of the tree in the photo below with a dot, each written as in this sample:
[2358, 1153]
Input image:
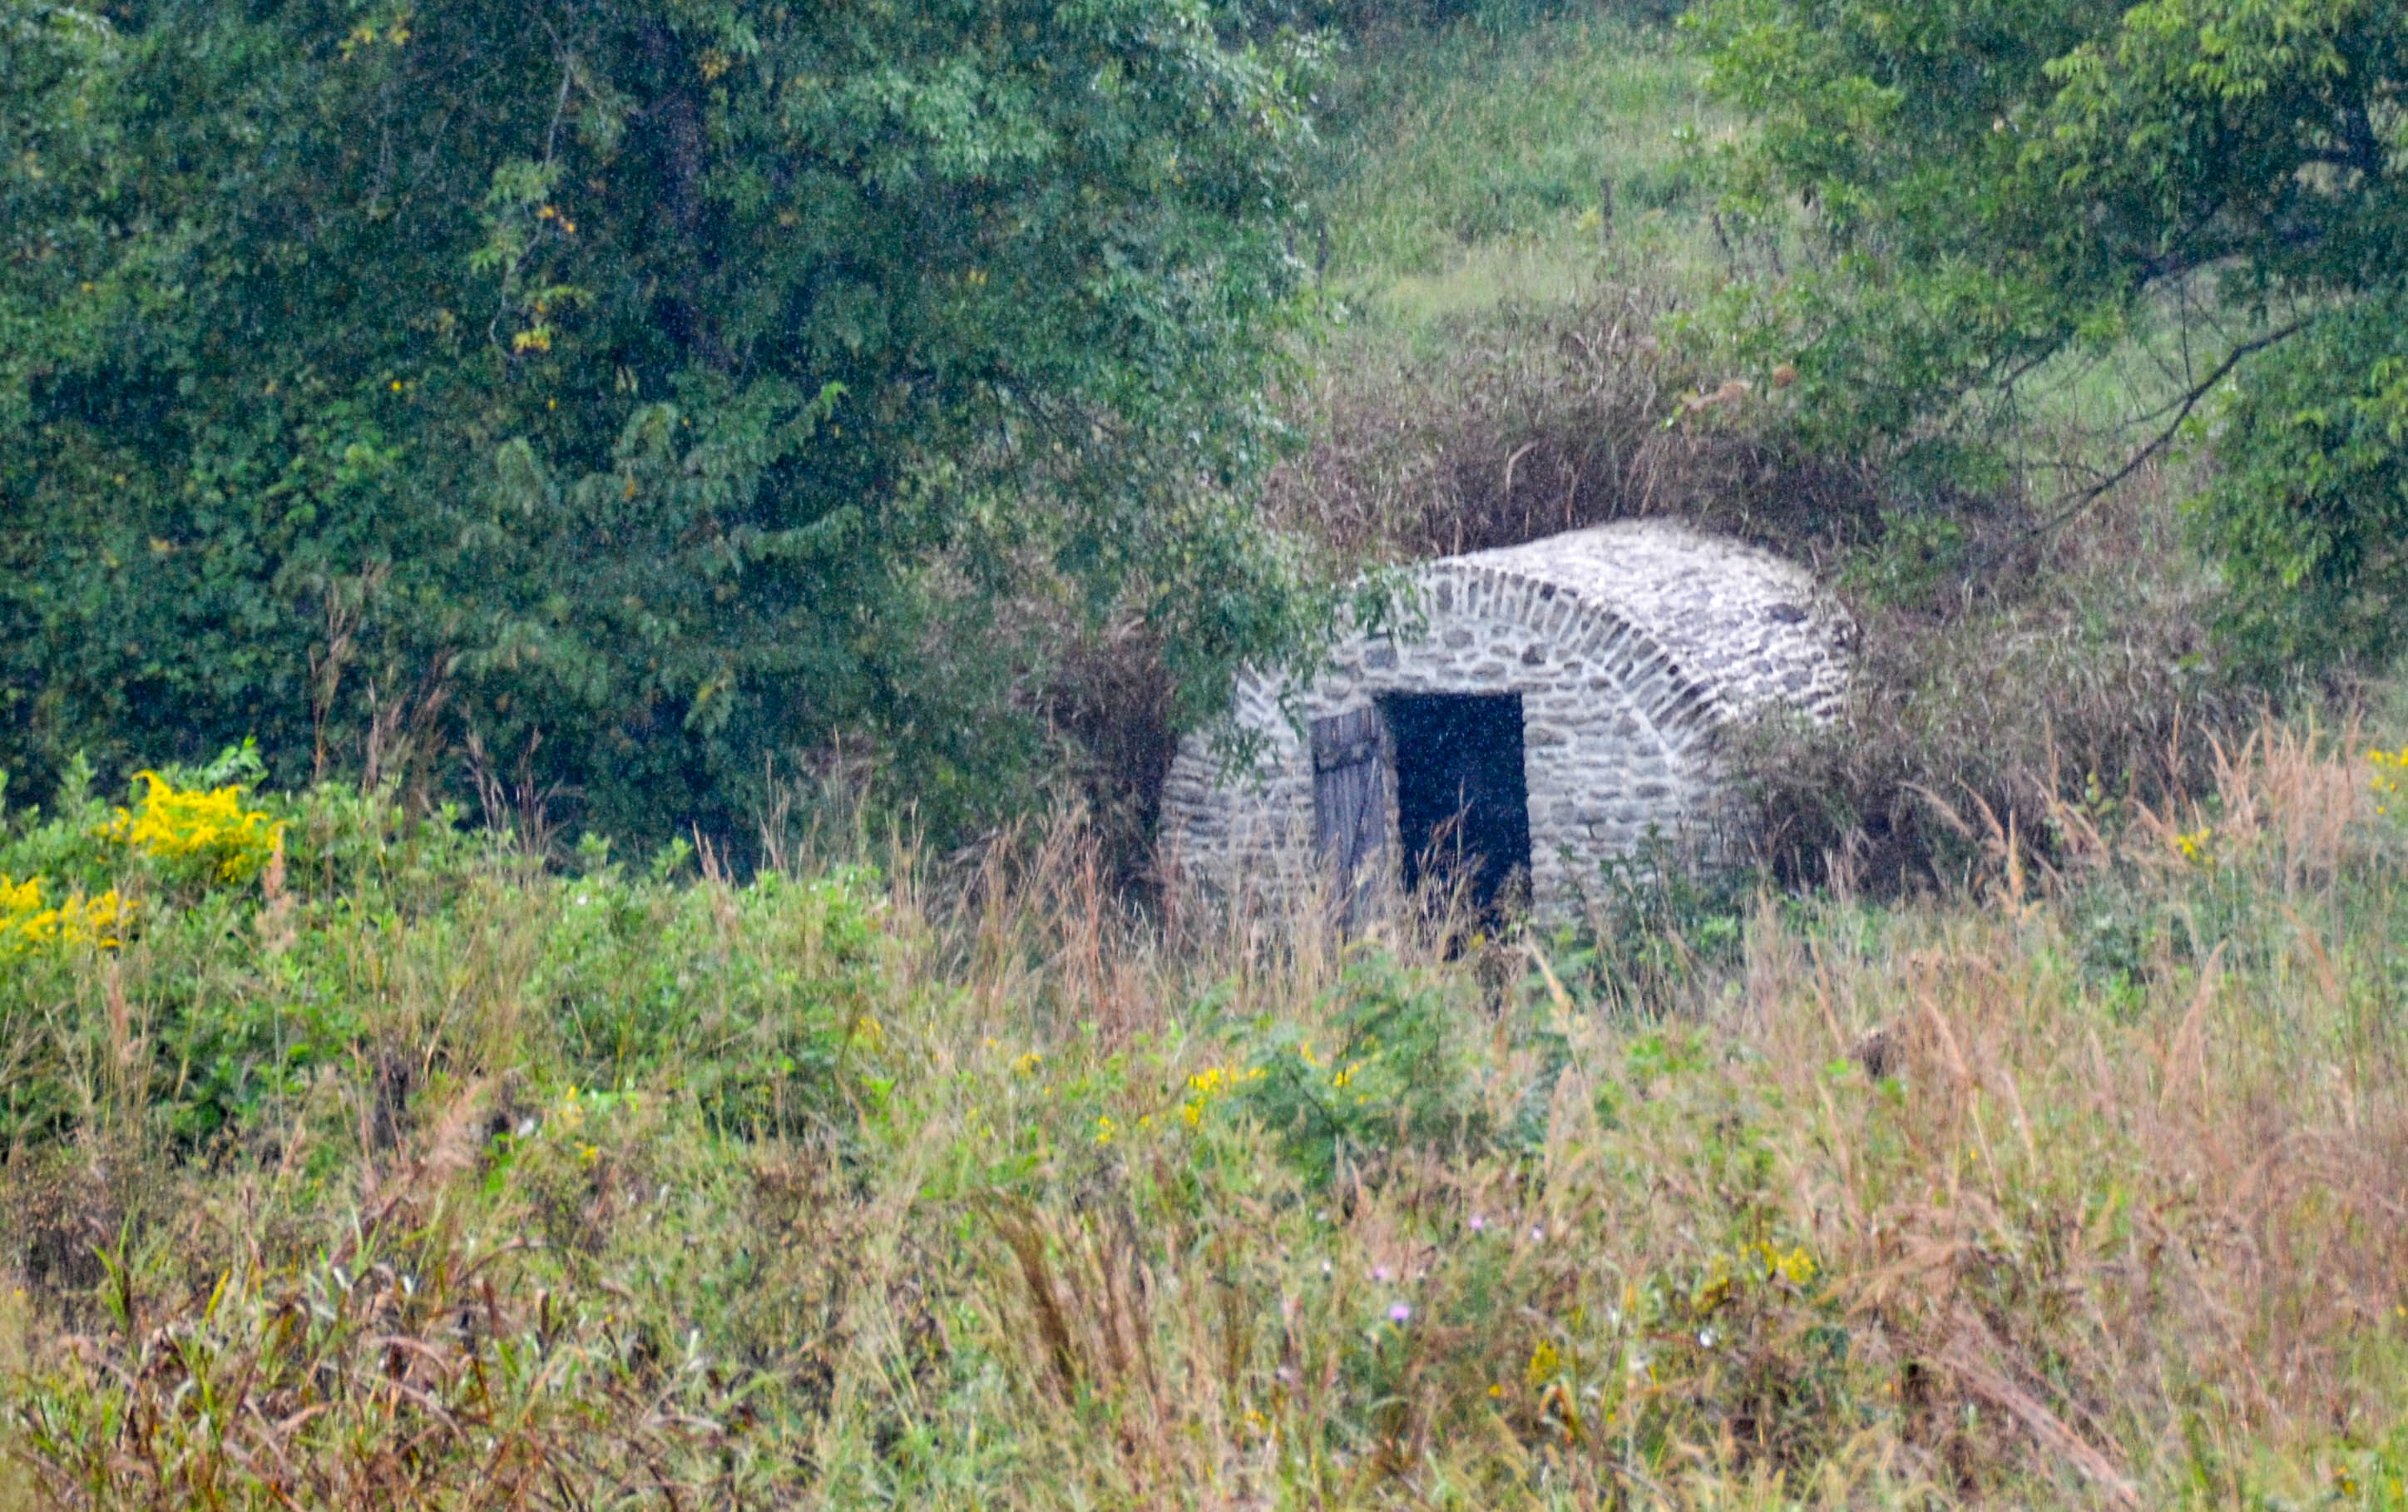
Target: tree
[638, 387]
[1991, 185]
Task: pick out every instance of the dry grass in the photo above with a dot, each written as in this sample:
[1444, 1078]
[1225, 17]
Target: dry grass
[1534, 421]
[1947, 1204]
[1999, 666]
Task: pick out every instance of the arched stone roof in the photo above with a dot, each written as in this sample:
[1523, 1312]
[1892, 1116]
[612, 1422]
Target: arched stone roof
[1628, 645]
[1735, 629]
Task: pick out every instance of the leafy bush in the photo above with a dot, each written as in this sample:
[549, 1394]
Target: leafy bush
[246, 971]
[2308, 510]
[1991, 194]
[1394, 1073]
[756, 1001]
[618, 404]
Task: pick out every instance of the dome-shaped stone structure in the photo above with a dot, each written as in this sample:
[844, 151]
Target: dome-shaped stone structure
[1558, 702]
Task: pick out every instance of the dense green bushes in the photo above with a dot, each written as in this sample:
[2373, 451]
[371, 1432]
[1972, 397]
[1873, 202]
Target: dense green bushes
[233, 997]
[629, 396]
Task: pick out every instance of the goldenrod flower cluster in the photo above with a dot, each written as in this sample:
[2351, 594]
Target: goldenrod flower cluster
[1209, 1083]
[205, 826]
[26, 924]
[2390, 778]
[1340, 1078]
[1759, 1262]
[1545, 1364]
[211, 826]
[1796, 1266]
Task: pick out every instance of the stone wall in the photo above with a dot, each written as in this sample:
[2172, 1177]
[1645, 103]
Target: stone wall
[1632, 646]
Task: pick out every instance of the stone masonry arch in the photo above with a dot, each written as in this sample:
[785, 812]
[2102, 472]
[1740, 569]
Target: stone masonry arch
[1631, 648]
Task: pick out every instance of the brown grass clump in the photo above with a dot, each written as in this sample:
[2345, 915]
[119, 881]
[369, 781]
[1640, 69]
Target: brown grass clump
[1534, 421]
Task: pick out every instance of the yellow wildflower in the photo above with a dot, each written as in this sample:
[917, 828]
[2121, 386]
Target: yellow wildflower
[174, 824]
[26, 924]
[2390, 778]
[1544, 1365]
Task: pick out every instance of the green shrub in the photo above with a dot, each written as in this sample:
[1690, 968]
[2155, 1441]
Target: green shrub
[756, 1001]
[236, 994]
[1393, 1071]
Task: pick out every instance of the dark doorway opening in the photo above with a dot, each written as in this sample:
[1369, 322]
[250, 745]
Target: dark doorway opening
[1461, 802]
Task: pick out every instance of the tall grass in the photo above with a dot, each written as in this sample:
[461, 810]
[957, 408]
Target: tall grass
[959, 1183]
[1541, 419]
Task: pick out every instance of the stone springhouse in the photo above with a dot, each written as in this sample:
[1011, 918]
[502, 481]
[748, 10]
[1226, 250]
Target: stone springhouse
[1561, 701]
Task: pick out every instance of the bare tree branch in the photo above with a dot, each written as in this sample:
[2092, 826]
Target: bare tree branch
[2164, 437]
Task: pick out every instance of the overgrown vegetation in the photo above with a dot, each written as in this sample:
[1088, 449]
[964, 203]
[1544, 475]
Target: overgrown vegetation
[1549, 368]
[406, 1173]
[2026, 1128]
[1988, 193]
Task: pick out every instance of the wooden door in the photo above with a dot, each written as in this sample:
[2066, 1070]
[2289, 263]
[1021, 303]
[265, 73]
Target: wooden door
[1350, 805]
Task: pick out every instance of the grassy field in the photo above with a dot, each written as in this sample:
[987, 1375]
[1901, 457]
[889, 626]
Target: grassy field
[1509, 163]
[1514, 205]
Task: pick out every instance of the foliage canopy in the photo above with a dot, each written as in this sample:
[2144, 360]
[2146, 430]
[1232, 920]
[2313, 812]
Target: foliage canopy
[641, 387]
[1995, 184]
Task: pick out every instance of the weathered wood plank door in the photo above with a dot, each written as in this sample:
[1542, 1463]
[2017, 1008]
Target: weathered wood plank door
[1350, 805]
